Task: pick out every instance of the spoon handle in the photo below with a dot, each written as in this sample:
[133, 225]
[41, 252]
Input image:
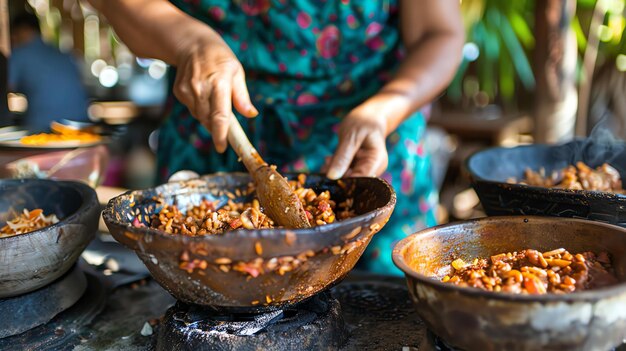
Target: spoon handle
[242, 146]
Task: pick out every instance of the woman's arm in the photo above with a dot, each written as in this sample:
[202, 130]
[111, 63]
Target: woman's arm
[432, 32]
[209, 77]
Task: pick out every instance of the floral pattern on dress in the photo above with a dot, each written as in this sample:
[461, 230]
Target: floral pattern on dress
[308, 63]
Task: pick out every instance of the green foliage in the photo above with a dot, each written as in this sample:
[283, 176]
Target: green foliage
[503, 32]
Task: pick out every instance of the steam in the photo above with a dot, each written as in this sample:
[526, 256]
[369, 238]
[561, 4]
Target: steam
[601, 146]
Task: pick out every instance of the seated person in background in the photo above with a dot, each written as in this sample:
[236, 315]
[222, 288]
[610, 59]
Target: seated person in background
[49, 78]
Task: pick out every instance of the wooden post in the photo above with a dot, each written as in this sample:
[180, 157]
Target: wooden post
[556, 98]
[5, 50]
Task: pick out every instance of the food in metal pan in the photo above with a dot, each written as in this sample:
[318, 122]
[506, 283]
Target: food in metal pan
[207, 219]
[578, 177]
[26, 222]
[534, 273]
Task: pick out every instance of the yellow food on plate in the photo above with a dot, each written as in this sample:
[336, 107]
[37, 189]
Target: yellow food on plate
[49, 138]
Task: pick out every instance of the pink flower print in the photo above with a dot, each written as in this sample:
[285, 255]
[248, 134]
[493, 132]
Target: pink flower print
[282, 67]
[217, 13]
[328, 42]
[254, 7]
[303, 52]
[373, 29]
[420, 150]
[352, 22]
[406, 179]
[306, 99]
[303, 20]
[424, 205]
[354, 58]
[300, 166]
[375, 43]
[244, 46]
[332, 17]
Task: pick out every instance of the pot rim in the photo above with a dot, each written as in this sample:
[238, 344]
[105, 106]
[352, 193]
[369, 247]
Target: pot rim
[109, 217]
[87, 194]
[531, 188]
[587, 295]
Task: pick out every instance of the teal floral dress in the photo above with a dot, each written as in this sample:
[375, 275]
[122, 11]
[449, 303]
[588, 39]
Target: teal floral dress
[308, 63]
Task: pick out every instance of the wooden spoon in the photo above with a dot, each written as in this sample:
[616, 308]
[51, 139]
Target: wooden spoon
[274, 193]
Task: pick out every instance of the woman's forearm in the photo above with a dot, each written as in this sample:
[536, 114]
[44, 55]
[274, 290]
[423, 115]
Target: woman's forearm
[154, 28]
[433, 55]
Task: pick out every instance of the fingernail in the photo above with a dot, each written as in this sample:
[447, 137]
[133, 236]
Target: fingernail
[333, 174]
[253, 111]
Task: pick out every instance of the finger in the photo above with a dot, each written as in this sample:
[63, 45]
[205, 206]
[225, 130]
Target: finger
[221, 110]
[368, 164]
[201, 93]
[182, 89]
[344, 155]
[241, 96]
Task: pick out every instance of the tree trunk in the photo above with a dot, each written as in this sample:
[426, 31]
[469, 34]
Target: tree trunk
[556, 98]
[5, 49]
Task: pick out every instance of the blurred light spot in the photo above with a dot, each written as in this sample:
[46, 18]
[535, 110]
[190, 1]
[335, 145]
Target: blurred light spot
[605, 33]
[157, 69]
[125, 71]
[97, 66]
[143, 62]
[471, 51]
[17, 103]
[621, 62]
[617, 6]
[108, 76]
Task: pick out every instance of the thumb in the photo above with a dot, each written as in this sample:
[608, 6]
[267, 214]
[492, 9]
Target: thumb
[343, 156]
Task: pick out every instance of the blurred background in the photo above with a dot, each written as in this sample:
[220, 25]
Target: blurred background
[532, 71]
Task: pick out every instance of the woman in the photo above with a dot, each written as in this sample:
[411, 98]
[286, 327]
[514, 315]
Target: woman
[335, 85]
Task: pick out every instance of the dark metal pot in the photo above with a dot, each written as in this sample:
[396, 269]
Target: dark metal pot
[335, 247]
[490, 169]
[32, 260]
[473, 319]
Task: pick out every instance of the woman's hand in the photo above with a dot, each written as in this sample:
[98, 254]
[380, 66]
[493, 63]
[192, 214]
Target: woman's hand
[361, 150]
[209, 81]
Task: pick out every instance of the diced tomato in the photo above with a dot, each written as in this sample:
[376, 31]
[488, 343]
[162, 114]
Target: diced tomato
[236, 223]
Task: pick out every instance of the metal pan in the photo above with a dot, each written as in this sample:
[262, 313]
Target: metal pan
[473, 319]
[332, 249]
[490, 169]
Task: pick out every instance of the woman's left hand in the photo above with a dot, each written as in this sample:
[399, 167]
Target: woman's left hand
[361, 151]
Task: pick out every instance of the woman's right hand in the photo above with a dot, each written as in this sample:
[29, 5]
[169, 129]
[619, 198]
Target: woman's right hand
[210, 81]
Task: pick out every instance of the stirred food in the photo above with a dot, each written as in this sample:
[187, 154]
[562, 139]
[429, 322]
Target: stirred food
[532, 272]
[26, 222]
[206, 218]
[578, 177]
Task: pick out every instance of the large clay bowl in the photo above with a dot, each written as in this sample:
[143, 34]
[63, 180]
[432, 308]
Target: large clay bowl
[32, 260]
[472, 319]
[333, 249]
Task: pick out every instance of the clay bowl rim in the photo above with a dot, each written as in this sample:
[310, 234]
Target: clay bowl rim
[109, 215]
[587, 295]
[475, 178]
[85, 191]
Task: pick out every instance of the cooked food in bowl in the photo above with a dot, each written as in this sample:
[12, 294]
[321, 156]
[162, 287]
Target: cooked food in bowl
[532, 272]
[579, 177]
[206, 218]
[250, 270]
[26, 222]
[476, 319]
